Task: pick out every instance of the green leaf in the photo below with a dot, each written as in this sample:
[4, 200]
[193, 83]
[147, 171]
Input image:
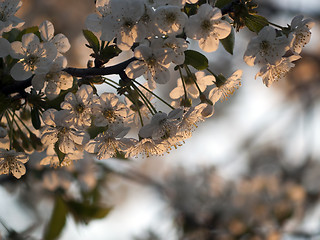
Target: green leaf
[35, 141]
[94, 131]
[60, 154]
[196, 59]
[228, 42]
[255, 22]
[222, 3]
[57, 221]
[34, 30]
[12, 35]
[109, 52]
[84, 212]
[92, 40]
[35, 118]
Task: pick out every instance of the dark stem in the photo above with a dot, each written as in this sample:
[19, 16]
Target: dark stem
[85, 72]
[229, 7]
[20, 86]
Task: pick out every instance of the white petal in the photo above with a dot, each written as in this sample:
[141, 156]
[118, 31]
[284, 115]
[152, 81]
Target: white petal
[61, 42]
[46, 30]
[17, 51]
[20, 72]
[38, 81]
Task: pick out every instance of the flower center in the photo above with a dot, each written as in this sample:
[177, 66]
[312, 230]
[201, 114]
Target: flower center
[128, 24]
[265, 47]
[79, 108]
[110, 115]
[171, 18]
[151, 61]
[206, 25]
[10, 158]
[31, 60]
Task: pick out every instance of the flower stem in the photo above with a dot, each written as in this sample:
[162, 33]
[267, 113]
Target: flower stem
[145, 100]
[276, 25]
[183, 84]
[153, 94]
[193, 78]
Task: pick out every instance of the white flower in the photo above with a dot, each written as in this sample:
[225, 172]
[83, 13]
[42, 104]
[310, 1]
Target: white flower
[225, 87]
[7, 19]
[153, 63]
[79, 106]
[146, 147]
[207, 27]
[12, 162]
[94, 21]
[192, 91]
[59, 130]
[108, 110]
[162, 126]
[61, 42]
[178, 45]
[35, 57]
[272, 73]
[189, 121]
[108, 143]
[145, 25]
[301, 32]
[4, 47]
[55, 80]
[170, 20]
[122, 22]
[266, 47]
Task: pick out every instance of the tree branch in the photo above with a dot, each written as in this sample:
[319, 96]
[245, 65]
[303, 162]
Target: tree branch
[20, 86]
[85, 72]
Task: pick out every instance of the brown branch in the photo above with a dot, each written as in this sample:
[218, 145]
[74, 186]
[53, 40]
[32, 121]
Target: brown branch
[85, 72]
[20, 86]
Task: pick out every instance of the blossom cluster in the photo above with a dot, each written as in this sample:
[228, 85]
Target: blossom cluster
[83, 112]
[275, 50]
[159, 35]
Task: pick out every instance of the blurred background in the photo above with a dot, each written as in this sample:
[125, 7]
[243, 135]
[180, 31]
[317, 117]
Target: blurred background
[252, 171]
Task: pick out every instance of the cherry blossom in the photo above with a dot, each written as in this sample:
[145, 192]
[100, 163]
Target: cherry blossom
[7, 19]
[79, 106]
[272, 73]
[55, 80]
[59, 130]
[61, 42]
[225, 87]
[207, 27]
[34, 57]
[301, 32]
[108, 143]
[266, 47]
[146, 147]
[162, 126]
[12, 162]
[153, 63]
[108, 110]
[170, 20]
